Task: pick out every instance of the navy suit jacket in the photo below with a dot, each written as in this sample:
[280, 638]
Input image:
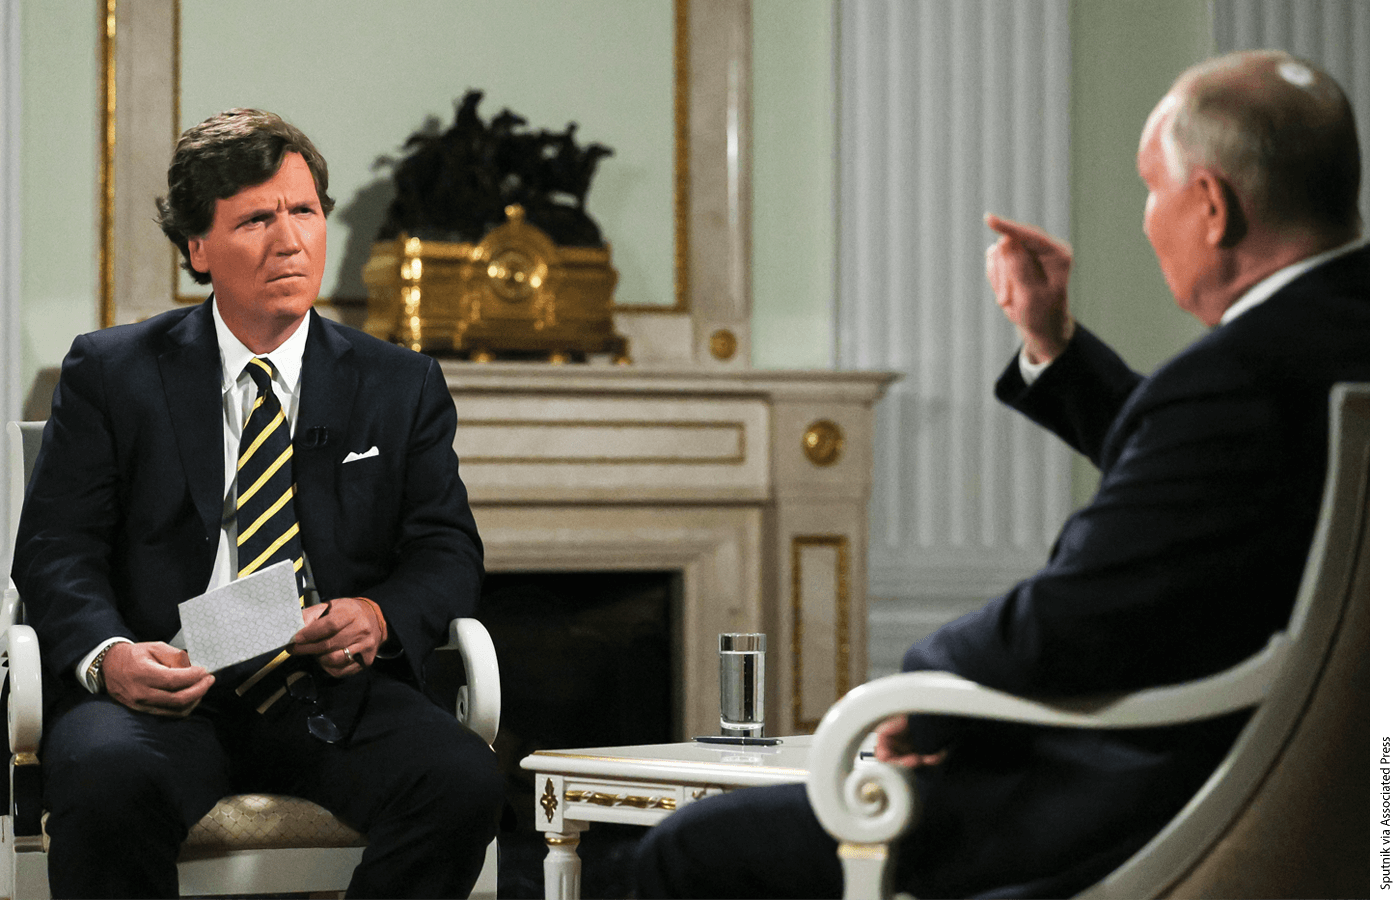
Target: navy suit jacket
[1186, 560]
[122, 515]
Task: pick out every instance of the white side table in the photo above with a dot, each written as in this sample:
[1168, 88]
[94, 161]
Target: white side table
[640, 785]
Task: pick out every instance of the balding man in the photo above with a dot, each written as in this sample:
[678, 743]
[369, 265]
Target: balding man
[1189, 555]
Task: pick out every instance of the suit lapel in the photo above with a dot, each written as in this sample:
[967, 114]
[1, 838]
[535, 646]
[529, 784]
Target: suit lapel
[191, 377]
[329, 385]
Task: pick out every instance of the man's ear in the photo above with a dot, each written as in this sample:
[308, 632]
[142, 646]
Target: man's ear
[197, 260]
[1224, 214]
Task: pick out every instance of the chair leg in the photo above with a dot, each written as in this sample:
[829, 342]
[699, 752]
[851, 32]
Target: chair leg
[868, 871]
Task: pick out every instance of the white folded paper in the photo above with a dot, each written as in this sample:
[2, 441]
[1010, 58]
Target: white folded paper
[242, 619]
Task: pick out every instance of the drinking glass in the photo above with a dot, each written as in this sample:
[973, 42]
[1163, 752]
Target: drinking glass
[741, 684]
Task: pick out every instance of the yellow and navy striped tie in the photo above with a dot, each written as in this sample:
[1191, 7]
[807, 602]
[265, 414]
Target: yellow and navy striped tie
[266, 508]
[267, 519]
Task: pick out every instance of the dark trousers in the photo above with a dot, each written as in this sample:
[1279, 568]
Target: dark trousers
[123, 788]
[756, 842]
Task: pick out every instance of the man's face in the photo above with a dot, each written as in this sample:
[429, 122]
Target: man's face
[266, 251]
[1173, 222]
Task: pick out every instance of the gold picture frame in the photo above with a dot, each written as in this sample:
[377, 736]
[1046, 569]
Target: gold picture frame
[139, 72]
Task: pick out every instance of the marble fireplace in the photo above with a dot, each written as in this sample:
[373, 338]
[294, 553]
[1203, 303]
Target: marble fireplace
[753, 486]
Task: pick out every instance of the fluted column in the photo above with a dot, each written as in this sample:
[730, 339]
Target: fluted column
[949, 109]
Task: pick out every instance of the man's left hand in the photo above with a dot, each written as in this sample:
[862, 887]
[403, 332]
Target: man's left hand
[344, 634]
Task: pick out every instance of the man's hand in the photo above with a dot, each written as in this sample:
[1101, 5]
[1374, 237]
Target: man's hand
[892, 745]
[154, 678]
[1029, 273]
[352, 624]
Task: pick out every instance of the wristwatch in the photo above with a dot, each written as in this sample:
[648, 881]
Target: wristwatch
[94, 669]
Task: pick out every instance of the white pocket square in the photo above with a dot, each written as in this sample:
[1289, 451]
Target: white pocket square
[351, 457]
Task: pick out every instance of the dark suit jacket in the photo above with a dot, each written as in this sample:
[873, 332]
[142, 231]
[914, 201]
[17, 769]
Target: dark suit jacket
[122, 516]
[1186, 560]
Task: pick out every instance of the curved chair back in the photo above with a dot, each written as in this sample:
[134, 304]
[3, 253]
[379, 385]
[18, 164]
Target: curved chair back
[1285, 814]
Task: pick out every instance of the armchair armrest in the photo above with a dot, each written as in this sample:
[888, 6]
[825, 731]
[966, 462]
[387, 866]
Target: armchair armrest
[479, 699]
[25, 714]
[26, 701]
[873, 803]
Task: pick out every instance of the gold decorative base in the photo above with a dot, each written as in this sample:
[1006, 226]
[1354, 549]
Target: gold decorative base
[515, 295]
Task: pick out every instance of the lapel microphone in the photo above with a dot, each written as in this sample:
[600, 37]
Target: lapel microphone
[315, 436]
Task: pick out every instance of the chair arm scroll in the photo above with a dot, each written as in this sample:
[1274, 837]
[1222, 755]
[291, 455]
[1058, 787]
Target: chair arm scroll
[479, 700]
[871, 803]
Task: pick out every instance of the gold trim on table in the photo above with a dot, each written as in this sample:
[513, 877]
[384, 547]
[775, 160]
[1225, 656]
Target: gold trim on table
[561, 840]
[548, 801]
[599, 798]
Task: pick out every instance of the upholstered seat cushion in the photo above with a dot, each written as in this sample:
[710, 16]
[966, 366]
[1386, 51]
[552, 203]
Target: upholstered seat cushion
[269, 821]
[262, 822]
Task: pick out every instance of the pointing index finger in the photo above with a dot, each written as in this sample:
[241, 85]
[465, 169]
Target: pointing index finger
[1030, 237]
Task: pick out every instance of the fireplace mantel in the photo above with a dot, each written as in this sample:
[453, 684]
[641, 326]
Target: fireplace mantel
[753, 484]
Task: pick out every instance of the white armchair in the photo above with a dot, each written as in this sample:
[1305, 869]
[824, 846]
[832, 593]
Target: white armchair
[249, 843]
[1283, 815]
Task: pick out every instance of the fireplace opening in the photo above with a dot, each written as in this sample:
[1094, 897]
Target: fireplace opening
[588, 659]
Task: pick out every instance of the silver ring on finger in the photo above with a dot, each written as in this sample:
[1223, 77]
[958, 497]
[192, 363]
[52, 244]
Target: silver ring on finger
[349, 657]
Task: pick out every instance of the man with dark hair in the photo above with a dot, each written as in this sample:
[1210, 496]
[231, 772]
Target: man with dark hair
[1189, 555]
[208, 443]
[221, 156]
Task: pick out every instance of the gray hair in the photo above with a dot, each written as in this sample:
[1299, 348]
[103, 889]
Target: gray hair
[1278, 130]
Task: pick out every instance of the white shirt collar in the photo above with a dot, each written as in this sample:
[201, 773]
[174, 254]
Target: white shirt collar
[1275, 282]
[286, 359]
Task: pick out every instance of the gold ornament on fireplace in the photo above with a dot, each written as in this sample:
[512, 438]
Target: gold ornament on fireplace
[822, 442]
[514, 294]
[723, 343]
[487, 249]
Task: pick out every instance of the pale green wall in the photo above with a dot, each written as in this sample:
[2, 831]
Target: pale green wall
[1126, 53]
[58, 180]
[360, 76]
[794, 183]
